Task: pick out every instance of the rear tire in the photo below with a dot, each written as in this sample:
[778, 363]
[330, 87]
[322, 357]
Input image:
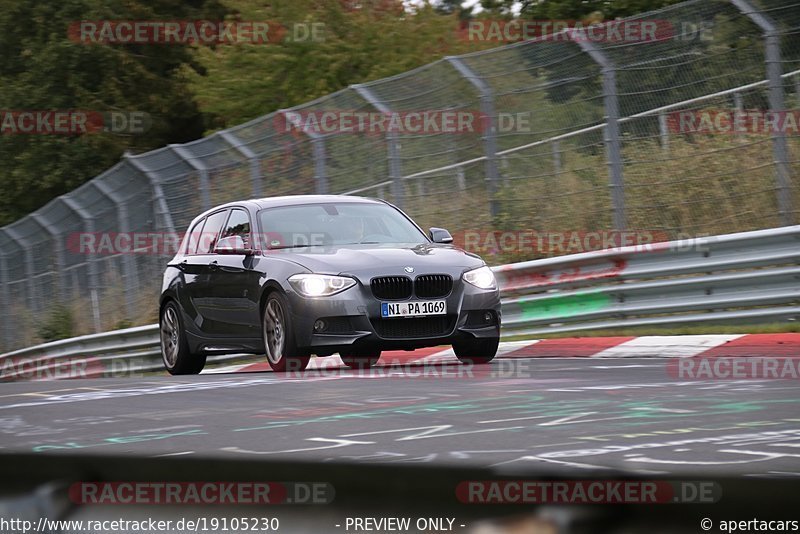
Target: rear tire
[174, 348]
[279, 342]
[360, 360]
[476, 351]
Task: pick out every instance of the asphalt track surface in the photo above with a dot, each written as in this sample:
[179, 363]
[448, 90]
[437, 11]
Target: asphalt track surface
[567, 415]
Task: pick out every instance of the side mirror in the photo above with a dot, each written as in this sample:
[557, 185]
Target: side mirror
[440, 235]
[233, 244]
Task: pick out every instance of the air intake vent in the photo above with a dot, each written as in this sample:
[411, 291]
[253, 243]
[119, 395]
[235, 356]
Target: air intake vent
[417, 327]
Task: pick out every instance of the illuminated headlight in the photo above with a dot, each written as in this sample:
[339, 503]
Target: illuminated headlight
[320, 285]
[482, 277]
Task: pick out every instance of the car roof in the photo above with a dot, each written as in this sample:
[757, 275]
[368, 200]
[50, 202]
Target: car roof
[286, 200]
[293, 200]
[289, 200]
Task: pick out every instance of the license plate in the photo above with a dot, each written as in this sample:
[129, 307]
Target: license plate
[413, 309]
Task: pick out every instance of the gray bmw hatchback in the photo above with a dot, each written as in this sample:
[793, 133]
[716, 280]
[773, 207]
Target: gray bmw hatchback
[300, 275]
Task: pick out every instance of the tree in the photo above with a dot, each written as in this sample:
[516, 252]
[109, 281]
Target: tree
[360, 41]
[579, 9]
[43, 69]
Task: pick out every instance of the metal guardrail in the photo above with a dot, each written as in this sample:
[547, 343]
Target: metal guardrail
[745, 277]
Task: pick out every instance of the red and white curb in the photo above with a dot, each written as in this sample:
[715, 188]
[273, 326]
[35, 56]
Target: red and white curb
[785, 345]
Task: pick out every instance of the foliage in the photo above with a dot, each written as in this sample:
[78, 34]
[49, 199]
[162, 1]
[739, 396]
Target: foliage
[42, 69]
[239, 82]
[58, 324]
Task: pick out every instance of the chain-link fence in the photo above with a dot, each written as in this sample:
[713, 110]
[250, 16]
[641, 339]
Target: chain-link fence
[574, 133]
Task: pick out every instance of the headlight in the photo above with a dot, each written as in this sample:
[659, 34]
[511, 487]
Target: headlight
[320, 285]
[482, 277]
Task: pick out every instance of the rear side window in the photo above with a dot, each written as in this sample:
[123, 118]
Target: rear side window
[193, 238]
[238, 224]
[208, 236]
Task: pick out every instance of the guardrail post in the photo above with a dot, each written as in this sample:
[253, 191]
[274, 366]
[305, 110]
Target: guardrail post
[255, 164]
[91, 266]
[128, 265]
[612, 137]
[395, 173]
[489, 127]
[202, 171]
[59, 252]
[318, 150]
[772, 52]
[160, 203]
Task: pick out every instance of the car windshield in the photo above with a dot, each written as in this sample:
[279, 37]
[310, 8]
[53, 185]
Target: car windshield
[338, 223]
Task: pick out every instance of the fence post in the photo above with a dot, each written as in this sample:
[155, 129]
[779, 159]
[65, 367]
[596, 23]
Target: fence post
[489, 127]
[663, 130]
[797, 88]
[612, 138]
[395, 172]
[555, 146]
[202, 171]
[158, 192]
[772, 52]
[59, 252]
[128, 266]
[91, 266]
[255, 164]
[8, 326]
[738, 105]
[30, 281]
[318, 149]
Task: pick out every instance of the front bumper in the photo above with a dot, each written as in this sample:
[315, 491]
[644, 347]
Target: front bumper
[354, 321]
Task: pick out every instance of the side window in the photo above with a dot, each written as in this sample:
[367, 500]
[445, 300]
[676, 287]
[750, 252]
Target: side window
[238, 224]
[191, 240]
[210, 233]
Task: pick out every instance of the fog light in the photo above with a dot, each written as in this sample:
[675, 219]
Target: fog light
[487, 317]
[319, 325]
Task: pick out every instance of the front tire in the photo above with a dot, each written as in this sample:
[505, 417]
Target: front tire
[477, 351]
[279, 342]
[174, 348]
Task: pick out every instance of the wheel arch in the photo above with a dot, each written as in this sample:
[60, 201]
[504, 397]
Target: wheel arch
[269, 287]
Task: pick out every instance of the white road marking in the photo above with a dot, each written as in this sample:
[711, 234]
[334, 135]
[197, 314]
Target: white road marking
[666, 346]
